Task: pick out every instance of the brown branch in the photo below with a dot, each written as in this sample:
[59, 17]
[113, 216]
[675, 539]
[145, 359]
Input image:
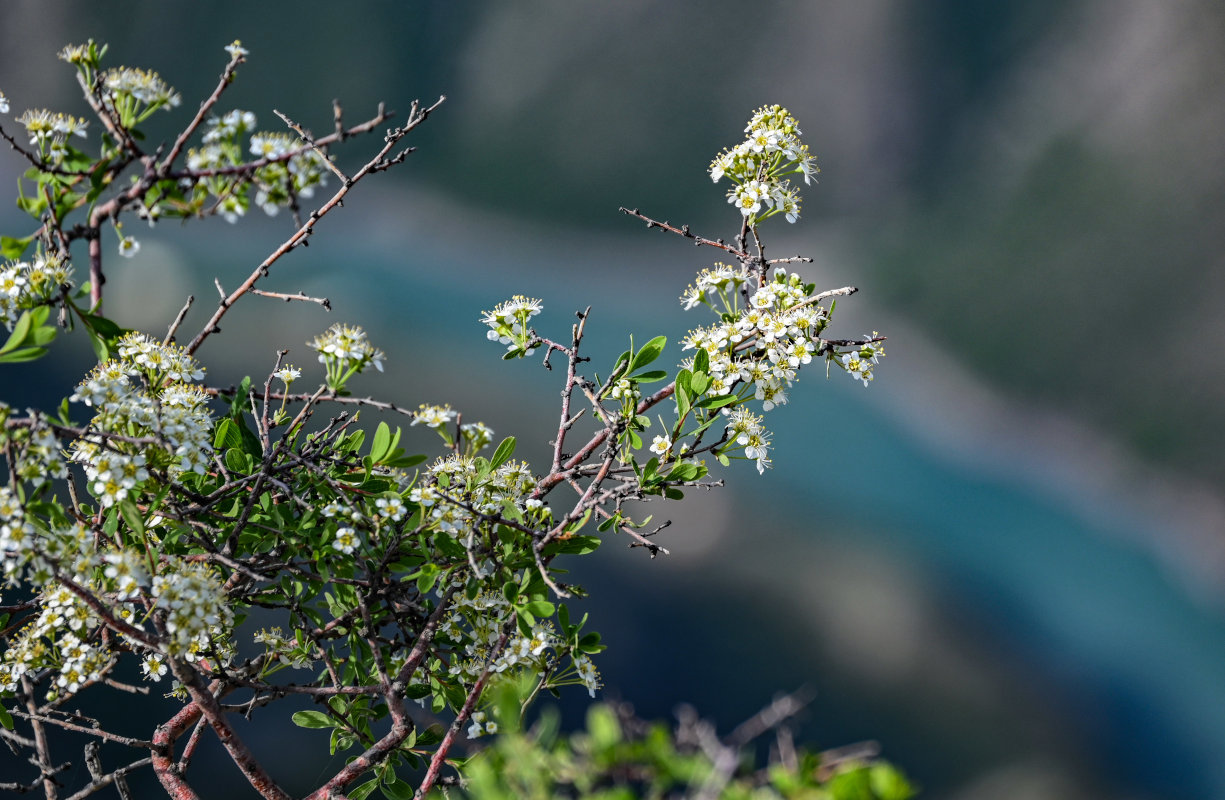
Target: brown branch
[202, 698]
[306, 137]
[210, 327]
[402, 725]
[163, 752]
[227, 78]
[553, 478]
[684, 231]
[323, 301]
[178, 320]
[113, 777]
[474, 694]
[40, 740]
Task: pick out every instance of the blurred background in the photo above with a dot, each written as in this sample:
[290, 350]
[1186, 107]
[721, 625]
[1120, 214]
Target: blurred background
[1005, 560]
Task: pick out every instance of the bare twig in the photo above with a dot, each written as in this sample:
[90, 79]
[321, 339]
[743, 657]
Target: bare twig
[683, 230]
[300, 235]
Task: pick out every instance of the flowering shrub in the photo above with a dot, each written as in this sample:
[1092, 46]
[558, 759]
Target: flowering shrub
[145, 521]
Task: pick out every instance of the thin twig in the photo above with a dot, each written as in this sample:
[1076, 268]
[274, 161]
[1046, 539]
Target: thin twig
[323, 301]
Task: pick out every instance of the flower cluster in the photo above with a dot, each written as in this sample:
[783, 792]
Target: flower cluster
[460, 478]
[476, 624]
[25, 284]
[159, 422]
[859, 362]
[35, 451]
[745, 430]
[432, 416]
[292, 172]
[49, 131]
[344, 351]
[757, 351]
[283, 650]
[757, 166]
[765, 345]
[58, 638]
[508, 325]
[722, 283]
[133, 94]
[197, 617]
[288, 169]
[37, 552]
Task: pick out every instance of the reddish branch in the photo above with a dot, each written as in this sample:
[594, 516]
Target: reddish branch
[461, 719]
[163, 753]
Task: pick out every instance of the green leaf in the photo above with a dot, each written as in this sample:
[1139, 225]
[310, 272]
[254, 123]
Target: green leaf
[649, 352]
[431, 735]
[682, 379]
[111, 523]
[104, 327]
[226, 435]
[238, 403]
[575, 545]
[603, 726]
[426, 581]
[34, 206]
[888, 783]
[6, 719]
[236, 461]
[381, 445]
[18, 337]
[701, 361]
[718, 402]
[24, 354]
[132, 516]
[540, 608]
[12, 248]
[682, 471]
[651, 376]
[683, 403]
[313, 719]
[505, 450]
[43, 334]
[397, 790]
[447, 545]
[365, 790]
[101, 351]
[404, 462]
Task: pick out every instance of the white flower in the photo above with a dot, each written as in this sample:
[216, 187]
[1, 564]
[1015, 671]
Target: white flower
[4, 104]
[433, 416]
[288, 374]
[857, 368]
[587, 673]
[154, 667]
[391, 508]
[128, 247]
[661, 445]
[235, 49]
[346, 540]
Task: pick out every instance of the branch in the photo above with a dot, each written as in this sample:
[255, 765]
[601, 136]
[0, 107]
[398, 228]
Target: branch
[444, 747]
[415, 119]
[684, 231]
